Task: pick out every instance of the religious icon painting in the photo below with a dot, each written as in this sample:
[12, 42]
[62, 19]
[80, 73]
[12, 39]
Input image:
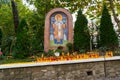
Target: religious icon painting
[58, 29]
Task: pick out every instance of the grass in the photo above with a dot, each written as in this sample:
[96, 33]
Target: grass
[12, 60]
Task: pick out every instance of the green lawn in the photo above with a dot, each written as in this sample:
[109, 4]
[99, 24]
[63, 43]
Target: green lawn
[11, 60]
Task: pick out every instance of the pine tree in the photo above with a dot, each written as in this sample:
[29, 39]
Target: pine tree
[81, 33]
[22, 45]
[108, 37]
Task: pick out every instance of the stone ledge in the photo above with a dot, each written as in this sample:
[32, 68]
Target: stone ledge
[32, 64]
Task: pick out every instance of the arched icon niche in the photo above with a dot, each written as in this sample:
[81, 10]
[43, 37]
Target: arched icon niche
[58, 29]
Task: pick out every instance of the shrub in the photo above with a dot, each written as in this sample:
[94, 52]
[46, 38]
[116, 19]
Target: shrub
[70, 47]
[81, 33]
[22, 45]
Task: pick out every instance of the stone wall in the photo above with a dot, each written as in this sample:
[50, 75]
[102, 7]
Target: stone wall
[109, 70]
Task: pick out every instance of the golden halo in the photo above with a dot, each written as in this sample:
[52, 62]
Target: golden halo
[58, 17]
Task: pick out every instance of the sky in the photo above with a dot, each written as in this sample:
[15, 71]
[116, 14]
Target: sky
[28, 5]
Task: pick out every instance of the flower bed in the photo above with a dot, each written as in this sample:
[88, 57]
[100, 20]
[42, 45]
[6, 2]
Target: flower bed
[74, 57]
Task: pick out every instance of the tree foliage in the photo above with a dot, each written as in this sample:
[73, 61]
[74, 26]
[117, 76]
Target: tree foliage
[81, 33]
[6, 22]
[1, 35]
[22, 45]
[108, 37]
[14, 11]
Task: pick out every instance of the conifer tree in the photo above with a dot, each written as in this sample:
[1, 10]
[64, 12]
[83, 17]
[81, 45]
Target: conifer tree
[81, 33]
[108, 37]
[22, 45]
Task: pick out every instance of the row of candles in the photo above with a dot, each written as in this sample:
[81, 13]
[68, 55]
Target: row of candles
[73, 57]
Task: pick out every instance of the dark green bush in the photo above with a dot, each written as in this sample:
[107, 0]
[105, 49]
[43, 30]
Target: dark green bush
[70, 47]
[7, 42]
[49, 53]
[22, 45]
[1, 35]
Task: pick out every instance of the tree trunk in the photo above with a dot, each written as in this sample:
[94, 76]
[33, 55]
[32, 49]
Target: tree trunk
[114, 14]
[15, 15]
[16, 21]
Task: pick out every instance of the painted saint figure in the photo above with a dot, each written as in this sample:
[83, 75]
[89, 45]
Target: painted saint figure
[58, 27]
